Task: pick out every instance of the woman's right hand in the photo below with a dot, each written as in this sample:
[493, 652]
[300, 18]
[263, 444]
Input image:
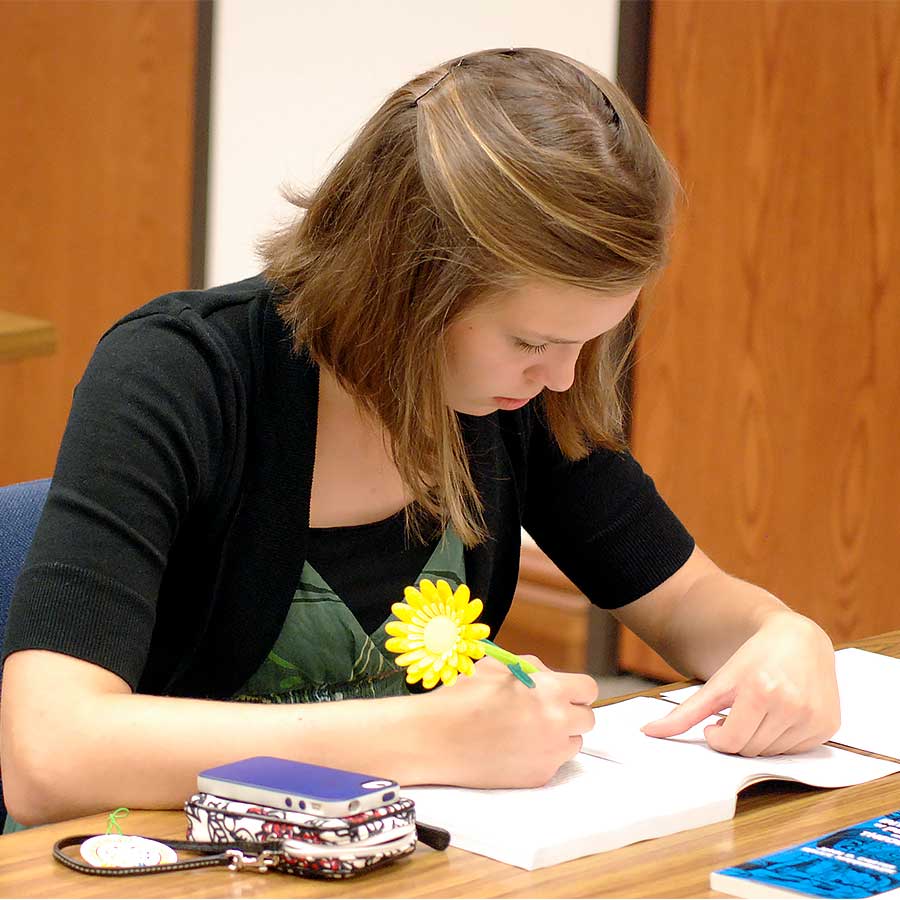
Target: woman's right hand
[493, 731]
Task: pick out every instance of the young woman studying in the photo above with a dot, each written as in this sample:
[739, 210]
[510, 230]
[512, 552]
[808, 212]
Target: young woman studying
[430, 361]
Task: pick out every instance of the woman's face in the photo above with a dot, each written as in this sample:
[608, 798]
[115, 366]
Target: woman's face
[505, 351]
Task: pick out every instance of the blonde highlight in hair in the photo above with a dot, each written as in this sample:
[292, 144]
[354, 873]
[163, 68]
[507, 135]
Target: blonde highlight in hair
[494, 169]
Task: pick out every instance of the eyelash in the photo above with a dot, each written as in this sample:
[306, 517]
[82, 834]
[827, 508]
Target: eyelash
[531, 348]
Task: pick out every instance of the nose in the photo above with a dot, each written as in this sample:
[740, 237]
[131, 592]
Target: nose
[556, 373]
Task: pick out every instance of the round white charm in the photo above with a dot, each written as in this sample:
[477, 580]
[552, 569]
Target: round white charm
[120, 851]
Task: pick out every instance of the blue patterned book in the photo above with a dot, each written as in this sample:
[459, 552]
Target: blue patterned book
[860, 861]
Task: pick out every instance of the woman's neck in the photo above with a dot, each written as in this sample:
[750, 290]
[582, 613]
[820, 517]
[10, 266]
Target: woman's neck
[355, 480]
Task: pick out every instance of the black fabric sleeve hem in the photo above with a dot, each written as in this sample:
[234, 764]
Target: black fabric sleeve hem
[602, 521]
[65, 603]
[654, 548]
[627, 566]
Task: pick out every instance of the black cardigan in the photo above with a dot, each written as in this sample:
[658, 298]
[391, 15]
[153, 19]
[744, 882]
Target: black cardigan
[175, 528]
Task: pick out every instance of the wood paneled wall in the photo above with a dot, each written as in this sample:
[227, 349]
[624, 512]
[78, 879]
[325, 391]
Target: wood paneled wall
[97, 104]
[767, 385]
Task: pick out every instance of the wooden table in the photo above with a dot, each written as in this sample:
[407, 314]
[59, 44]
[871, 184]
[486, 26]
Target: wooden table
[769, 816]
[22, 336]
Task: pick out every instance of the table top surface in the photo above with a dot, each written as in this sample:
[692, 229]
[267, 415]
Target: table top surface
[770, 815]
[22, 336]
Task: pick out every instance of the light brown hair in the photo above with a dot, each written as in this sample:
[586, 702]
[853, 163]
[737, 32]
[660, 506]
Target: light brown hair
[487, 171]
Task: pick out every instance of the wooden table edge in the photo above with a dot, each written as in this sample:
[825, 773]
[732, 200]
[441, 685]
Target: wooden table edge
[23, 336]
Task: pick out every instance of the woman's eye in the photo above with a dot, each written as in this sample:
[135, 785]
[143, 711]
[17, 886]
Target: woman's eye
[530, 348]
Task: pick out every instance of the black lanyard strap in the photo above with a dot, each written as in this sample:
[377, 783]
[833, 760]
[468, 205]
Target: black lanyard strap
[236, 855]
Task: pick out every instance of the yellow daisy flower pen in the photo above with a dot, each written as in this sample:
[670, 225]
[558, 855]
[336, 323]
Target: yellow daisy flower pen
[437, 638]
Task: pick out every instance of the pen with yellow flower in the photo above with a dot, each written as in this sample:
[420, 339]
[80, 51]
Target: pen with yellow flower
[437, 638]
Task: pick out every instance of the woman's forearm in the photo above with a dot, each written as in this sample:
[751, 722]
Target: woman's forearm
[75, 740]
[714, 618]
[145, 752]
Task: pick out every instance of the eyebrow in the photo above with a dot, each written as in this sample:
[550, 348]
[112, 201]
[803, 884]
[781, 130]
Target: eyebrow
[549, 339]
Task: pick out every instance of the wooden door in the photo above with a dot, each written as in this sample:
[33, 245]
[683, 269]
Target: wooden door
[97, 104]
[767, 387]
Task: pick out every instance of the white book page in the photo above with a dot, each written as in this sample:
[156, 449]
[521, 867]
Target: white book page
[868, 683]
[590, 805]
[617, 736]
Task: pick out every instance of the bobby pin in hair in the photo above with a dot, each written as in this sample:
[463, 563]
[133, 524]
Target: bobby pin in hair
[510, 52]
[616, 122]
[455, 65]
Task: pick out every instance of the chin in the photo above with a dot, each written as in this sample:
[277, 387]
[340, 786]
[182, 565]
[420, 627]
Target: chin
[474, 409]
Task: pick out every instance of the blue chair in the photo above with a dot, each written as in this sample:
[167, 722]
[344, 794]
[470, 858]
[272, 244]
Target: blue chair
[20, 510]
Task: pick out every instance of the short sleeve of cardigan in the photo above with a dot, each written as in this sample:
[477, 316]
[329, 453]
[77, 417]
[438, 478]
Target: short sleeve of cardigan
[138, 451]
[602, 521]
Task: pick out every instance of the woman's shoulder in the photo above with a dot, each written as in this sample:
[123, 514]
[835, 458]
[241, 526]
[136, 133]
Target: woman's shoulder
[232, 327]
[238, 307]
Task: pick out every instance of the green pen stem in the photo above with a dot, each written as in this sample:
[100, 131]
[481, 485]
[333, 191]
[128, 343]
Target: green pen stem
[504, 656]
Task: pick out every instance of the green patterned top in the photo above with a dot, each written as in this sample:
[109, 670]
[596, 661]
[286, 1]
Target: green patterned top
[323, 653]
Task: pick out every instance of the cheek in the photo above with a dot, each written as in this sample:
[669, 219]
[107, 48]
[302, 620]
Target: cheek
[464, 362]
[499, 367]
[482, 361]
[469, 351]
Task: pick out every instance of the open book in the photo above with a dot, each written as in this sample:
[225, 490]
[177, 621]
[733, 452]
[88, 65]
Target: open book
[622, 788]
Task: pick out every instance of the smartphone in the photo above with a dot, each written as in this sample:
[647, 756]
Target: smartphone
[302, 787]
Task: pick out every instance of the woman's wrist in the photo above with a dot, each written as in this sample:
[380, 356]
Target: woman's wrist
[784, 617]
[403, 738]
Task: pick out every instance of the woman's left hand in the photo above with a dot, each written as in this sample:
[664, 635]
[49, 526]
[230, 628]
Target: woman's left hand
[781, 687]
